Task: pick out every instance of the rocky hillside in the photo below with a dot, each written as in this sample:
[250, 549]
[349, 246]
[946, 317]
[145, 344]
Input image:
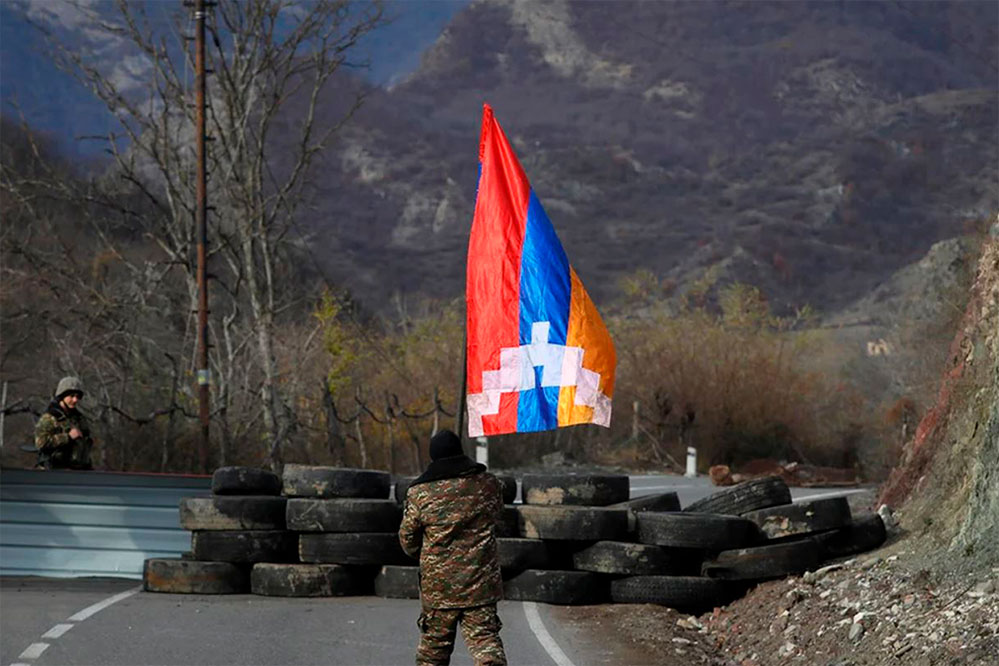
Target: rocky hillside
[949, 475]
[811, 149]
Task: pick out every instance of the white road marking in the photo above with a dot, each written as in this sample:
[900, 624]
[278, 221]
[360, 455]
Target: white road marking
[546, 640]
[101, 605]
[837, 493]
[57, 631]
[33, 651]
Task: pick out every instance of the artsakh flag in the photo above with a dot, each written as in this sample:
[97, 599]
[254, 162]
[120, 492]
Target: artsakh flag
[539, 356]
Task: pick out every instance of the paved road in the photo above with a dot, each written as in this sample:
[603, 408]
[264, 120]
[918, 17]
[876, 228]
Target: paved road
[44, 622]
[42, 625]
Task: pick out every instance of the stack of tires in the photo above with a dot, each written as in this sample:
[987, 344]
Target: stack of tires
[791, 537]
[573, 538]
[241, 524]
[560, 516]
[346, 527]
[314, 531]
[602, 547]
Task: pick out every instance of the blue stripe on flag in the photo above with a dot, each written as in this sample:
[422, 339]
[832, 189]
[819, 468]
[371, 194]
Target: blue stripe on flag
[545, 293]
[545, 288]
[537, 409]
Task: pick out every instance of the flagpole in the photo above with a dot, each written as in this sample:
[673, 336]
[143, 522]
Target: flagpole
[459, 413]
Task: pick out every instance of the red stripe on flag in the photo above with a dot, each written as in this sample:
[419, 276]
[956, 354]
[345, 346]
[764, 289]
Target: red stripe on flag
[506, 420]
[494, 252]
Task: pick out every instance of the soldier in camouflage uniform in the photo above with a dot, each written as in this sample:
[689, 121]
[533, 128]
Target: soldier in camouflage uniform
[62, 436]
[449, 524]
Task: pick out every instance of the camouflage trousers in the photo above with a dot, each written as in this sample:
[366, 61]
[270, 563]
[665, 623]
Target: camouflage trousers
[480, 627]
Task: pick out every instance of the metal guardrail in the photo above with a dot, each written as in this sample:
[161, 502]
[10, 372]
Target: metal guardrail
[73, 523]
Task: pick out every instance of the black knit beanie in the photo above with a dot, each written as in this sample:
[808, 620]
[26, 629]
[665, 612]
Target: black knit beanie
[445, 444]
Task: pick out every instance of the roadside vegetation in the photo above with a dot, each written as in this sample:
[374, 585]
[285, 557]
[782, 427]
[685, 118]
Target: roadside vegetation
[708, 365]
[98, 280]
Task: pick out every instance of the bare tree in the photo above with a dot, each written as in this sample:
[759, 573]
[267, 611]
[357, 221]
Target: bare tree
[269, 117]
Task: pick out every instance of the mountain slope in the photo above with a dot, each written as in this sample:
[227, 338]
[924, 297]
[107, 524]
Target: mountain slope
[808, 148]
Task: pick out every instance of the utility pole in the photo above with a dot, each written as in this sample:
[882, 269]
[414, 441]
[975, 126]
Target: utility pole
[201, 211]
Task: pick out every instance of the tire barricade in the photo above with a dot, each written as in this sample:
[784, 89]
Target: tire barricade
[577, 539]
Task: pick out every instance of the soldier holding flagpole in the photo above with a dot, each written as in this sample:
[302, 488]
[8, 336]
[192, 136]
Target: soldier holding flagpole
[537, 357]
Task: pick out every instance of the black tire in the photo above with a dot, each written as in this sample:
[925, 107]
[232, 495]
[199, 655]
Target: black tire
[402, 487]
[801, 517]
[369, 548]
[661, 502]
[329, 482]
[578, 523]
[556, 587]
[509, 488]
[311, 580]
[397, 582]
[520, 554]
[685, 593]
[635, 559]
[508, 524]
[232, 512]
[747, 496]
[348, 514]
[765, 562]
[865, 533]
[247, 546]
[245, 481]
[695, 530]
[181, 576]
[561, 552]
[575, 489]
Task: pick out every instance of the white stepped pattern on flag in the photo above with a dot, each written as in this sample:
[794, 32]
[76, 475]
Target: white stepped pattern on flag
[560, 366]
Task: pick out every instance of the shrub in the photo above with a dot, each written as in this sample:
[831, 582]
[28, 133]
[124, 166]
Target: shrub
[734, 382]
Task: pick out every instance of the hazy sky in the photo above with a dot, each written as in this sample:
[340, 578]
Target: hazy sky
[53, 101]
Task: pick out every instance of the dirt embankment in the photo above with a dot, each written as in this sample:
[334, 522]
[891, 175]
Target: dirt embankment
[872, 611]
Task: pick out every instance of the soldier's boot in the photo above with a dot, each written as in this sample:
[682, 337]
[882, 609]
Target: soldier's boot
[480, 627]
[438, 627]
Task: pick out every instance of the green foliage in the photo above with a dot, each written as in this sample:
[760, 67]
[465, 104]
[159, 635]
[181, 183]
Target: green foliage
[640, 285]
[745, 307]
[338, 342]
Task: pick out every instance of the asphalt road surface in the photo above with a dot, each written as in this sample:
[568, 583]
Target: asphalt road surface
[42, 625]
[110, 622]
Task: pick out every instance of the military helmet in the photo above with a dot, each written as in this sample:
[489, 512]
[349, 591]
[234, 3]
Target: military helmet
[68, 385]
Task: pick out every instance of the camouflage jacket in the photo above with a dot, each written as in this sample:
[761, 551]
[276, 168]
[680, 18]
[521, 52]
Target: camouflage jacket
[450, 525]
[52, 429]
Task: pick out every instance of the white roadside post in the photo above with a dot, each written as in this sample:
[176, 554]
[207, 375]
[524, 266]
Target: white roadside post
[691, 462]
[482, 451]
